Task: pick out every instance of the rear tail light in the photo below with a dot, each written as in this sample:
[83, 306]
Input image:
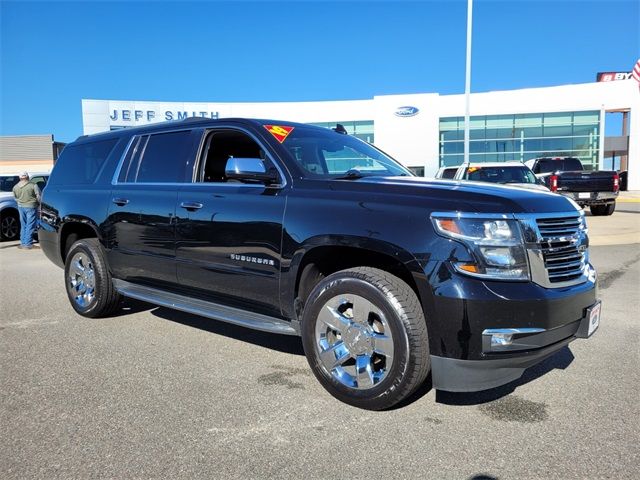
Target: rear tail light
[553, 183]
[616, 182]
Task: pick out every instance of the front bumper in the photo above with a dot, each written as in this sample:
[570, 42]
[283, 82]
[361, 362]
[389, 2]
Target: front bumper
[455, 375]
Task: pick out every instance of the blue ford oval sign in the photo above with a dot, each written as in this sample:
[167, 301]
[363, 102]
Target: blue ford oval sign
[406, 111]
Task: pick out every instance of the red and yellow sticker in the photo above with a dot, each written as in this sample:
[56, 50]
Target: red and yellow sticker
[279, 132]
[473, 169]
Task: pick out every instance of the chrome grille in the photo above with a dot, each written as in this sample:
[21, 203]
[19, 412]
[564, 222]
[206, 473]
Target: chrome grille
[560, 241]
[558, 227]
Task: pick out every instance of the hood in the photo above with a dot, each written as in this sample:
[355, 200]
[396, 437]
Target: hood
[453, 195]
[530, 186]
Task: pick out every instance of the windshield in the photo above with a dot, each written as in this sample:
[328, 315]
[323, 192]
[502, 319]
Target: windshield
[501, 174]
[324, 153]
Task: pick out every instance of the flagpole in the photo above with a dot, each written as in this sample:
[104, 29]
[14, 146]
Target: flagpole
[467, 82]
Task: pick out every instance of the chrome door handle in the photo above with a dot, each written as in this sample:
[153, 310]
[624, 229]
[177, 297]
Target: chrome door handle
[191, 205]
[120, 201]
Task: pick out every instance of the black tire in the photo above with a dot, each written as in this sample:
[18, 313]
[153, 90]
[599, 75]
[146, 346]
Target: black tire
[9, 226]
[88, 280]
[600, 210]
[403, 319]
[611, 207]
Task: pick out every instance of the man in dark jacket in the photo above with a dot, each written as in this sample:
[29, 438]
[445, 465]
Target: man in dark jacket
[27, 196]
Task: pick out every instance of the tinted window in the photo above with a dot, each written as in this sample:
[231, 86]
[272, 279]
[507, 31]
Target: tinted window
[7, 183]
[449, 172]
[164, 158]
[563, 165]
[82, 163]
[131, 160]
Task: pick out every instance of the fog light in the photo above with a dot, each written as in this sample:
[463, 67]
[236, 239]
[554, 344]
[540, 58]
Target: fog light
[501, 339]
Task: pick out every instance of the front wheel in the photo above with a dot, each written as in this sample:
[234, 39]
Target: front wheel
[88, 280]
[365, 337]
[9, 226]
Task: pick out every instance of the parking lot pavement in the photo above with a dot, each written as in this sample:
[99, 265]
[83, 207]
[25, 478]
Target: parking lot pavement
[621, 228]
[153, 393]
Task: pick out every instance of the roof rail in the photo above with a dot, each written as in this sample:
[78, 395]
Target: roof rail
[201, 119]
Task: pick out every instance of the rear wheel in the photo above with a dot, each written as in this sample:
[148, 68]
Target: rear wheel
[9, 226]
[599, 210]
[611, 207]
[88, 280]
[365, 337]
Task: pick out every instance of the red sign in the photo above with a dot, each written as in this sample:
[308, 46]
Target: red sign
[279, 132]
[613, 76]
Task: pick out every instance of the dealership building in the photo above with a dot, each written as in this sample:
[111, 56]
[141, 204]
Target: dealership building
[425, 131]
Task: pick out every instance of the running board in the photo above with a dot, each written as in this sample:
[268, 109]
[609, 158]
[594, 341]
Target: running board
[255, 321]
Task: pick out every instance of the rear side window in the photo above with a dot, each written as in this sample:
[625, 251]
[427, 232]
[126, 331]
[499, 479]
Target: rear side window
[163, 158]
[80, 164]
[449, 172]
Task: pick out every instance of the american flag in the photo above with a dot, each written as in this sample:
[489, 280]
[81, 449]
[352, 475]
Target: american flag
[636, 72]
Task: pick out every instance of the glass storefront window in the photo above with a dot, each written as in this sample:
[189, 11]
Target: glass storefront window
[559, 118]
[560, 131]
[521, 137]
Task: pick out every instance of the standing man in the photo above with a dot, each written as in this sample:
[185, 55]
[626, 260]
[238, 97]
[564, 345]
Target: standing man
[28, 196]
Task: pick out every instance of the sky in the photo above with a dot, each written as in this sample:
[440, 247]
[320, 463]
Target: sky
[53, 54]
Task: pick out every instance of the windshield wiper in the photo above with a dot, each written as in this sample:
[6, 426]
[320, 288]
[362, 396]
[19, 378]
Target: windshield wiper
[352, 174]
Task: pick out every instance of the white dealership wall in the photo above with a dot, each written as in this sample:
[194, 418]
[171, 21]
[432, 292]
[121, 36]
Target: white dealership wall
[413, 140]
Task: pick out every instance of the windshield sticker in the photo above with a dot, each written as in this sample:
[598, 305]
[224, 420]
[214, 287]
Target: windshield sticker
[279, 132]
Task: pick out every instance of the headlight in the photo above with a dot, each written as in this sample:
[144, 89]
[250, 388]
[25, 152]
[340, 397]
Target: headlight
[496, 244]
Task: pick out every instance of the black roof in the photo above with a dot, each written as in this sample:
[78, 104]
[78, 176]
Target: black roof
[189, 121]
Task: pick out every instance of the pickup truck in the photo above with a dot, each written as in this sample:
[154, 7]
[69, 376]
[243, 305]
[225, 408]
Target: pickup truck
[300, 230]
[565, 175]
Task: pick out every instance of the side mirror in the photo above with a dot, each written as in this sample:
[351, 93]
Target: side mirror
[249, 169]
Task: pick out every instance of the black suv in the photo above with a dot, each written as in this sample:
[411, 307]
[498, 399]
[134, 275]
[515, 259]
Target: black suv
[302, 230]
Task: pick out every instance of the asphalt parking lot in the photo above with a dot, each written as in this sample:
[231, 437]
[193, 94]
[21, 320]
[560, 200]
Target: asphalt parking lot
[154, 393]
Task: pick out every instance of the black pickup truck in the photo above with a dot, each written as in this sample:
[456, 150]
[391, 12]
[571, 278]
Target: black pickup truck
[301, 230]
[597, 190]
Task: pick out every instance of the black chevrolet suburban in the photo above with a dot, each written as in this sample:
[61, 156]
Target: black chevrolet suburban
[301, 230]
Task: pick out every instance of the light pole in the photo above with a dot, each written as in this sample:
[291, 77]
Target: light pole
[467, 82]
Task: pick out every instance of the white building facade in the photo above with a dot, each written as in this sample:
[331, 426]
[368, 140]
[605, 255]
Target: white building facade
[425, 131]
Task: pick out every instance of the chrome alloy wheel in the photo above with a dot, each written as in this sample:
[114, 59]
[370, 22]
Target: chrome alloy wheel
[82, 280]
[9, 227]
[354, 341]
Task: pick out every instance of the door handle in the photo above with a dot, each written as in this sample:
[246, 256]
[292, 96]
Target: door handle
[120, 201]
[191, 205]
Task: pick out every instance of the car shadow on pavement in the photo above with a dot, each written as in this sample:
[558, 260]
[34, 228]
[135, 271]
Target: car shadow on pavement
[129, 305]
[560, 360]
[280, 343]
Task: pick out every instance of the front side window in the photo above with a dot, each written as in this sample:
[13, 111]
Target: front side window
[40, 181]
[220, 146]
[324, 153]
[163, 159]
